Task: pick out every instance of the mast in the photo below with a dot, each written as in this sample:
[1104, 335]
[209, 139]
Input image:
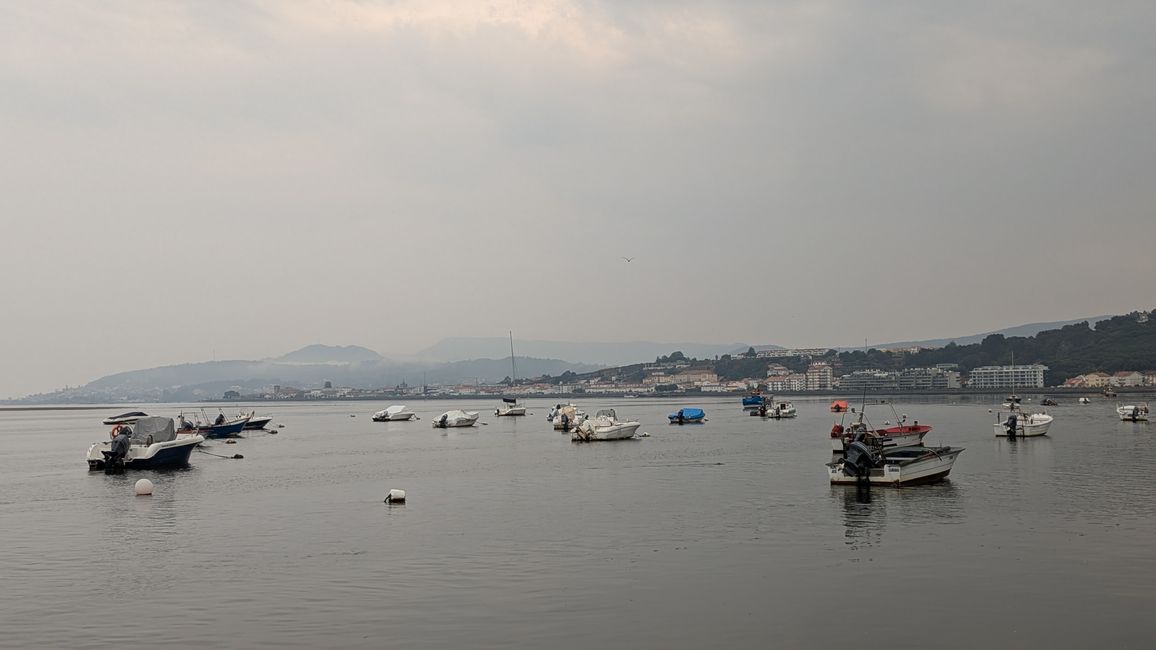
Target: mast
[513, 368]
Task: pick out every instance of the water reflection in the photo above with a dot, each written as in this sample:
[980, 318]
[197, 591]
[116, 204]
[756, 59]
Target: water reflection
[866, 514]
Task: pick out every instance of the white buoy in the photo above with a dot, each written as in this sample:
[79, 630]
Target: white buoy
[395, 496]
[143, 487]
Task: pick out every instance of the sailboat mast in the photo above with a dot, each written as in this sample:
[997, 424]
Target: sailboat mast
[513, 368]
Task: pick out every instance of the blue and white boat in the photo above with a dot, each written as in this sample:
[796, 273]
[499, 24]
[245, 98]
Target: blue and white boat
[218, 428]
[153, 444]
[687, 415]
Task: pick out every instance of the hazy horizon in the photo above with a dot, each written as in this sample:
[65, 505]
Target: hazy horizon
[188, 181]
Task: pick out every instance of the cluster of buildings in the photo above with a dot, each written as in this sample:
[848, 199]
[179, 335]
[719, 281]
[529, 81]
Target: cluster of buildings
[1122, 379]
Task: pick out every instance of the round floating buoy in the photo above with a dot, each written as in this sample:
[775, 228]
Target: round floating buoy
[395, 496]
[143, 487]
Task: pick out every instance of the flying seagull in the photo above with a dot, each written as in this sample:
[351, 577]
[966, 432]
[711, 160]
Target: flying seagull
[627, 258]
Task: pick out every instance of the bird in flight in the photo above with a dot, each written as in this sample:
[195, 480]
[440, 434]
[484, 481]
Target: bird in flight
[627, 258]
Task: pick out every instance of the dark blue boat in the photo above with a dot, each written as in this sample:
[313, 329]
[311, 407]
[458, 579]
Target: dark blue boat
[227, 429]
[687, 415]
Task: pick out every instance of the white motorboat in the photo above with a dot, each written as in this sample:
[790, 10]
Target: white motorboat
[566, 416]
[393, 413]
[1021, 424]
[910, 465]
[256, 421]
[605, 425]
[509, 407]
[455, 418]
[153, 444]
[125, 418]
[1084, 400]
[782, 410]
[1133, 413]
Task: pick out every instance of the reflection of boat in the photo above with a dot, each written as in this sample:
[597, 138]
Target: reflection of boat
[605, 425]
[1131, 413]
[1021, 424]
[839, 406]
[687, 415]
[221, 427]
[395, 412]
[125, 418]
[153, 444]
[456, 418]
[910, 465]
[754, 401]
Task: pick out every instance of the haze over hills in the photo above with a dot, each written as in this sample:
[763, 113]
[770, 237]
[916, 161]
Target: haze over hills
[598, 353]
[1030, 329]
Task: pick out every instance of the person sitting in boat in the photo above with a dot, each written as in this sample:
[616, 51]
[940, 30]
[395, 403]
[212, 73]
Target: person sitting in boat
[220, 419]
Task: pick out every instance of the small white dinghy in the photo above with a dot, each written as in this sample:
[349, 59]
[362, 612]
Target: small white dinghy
[605, 425]
[394, 413]
[455, 418]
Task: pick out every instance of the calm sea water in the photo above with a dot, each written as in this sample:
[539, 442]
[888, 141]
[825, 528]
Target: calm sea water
[723, 535]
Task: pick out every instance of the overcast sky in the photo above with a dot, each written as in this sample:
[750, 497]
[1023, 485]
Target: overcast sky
[189, 180]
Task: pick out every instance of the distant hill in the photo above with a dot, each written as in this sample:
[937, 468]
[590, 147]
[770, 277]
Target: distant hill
[198, 381]
[318, 353]
[602, 354]
[1031, 329]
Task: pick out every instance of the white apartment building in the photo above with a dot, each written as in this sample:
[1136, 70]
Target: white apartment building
[1007, 377]
[820, 376]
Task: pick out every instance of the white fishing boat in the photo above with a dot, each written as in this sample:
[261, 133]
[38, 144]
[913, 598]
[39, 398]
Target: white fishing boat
[605, 425]
[889, 437]
[455, 418]
[257, 421]
[153, 444]
[1133, 413]
[1017, 423]
[910, 465]
[1084, 400]
[394, 413]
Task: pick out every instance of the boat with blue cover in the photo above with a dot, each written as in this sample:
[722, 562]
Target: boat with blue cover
[753, 401]
[687, 415]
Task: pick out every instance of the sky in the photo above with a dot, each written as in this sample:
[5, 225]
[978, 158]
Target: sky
[186, 181]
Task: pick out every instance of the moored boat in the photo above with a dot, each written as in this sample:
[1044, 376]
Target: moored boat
[153, 444]
[902, 466]
[687, 415]
[605, 425]
[257, 421]
[901, 435]
[1021, 424]
[125, 418]
[455, 418]
[754, 401]
[839, 406]
[565, 417]
[394, 413]
[1084, 400]
[1133, 413]
[510, 407]
[220, 427]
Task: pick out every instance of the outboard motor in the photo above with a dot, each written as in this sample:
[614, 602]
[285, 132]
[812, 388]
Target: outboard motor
[1011, 425]
[859, 459]
[566, 423]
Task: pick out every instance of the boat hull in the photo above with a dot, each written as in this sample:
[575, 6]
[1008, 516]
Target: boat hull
[226, 430]
[1132, 413]
[512, 411]
[258, 423]
[394, 417]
